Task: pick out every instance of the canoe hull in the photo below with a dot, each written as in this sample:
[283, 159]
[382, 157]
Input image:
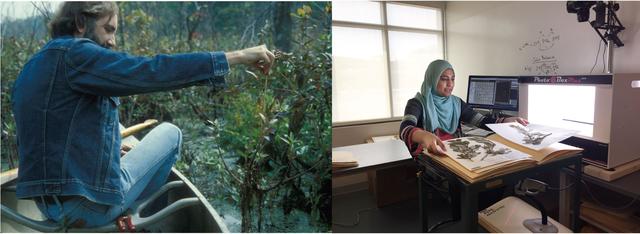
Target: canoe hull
[198, 218]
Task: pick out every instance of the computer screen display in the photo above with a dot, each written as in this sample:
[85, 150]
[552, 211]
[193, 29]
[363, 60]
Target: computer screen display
[493, 92]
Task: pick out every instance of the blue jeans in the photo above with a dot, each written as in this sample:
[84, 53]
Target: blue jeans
[144, 170]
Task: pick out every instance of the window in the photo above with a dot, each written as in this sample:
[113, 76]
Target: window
[380, 53]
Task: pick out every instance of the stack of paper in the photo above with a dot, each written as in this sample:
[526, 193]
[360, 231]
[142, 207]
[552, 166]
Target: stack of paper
[341, 159]
[383, 138]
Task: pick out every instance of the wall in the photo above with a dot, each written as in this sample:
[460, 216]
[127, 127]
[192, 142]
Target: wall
[532, 38]
[359, 133]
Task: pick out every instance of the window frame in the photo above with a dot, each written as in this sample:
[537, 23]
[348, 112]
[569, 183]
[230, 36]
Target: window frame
[385, 28]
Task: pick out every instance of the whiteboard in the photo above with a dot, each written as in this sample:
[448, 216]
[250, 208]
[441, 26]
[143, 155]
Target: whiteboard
[532, 38]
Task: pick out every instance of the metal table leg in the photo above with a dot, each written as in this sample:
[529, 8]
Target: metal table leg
[469, 209]
[576, 196]
[564, 206]
[424, 209]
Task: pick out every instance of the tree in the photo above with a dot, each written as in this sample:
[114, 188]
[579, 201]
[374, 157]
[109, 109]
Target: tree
[282, 22]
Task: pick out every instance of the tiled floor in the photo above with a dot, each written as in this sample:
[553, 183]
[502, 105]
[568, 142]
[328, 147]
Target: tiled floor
[399, 217]
[405, 216]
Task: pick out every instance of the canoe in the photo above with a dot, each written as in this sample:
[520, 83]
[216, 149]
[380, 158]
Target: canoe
[177, 207]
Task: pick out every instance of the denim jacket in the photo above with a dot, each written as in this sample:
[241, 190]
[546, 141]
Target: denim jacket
[65, 106]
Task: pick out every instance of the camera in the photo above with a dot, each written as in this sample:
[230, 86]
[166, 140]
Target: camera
[581, 8]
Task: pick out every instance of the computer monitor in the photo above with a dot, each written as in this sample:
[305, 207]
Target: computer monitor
[493, 92]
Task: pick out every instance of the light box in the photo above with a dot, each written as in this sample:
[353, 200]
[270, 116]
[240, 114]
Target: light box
[605, 109]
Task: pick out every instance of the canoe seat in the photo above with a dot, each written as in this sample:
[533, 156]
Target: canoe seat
[137, 220]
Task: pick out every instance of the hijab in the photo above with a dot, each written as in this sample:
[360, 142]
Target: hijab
[438, 111]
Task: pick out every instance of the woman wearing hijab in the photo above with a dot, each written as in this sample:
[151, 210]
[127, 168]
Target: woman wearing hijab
[434, 115]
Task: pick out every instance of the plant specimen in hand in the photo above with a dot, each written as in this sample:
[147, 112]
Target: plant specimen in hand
[530, 137]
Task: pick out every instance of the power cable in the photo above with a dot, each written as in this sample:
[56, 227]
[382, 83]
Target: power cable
[434, 227]
[597, 54]
[560, 189]
[357, 219]
[604, 64]
[607, 206]
[600, 203]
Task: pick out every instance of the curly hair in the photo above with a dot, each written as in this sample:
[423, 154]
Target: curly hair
[75, 15]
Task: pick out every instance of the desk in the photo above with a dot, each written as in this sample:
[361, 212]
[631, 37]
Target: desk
[390, 170]
[469, 191]
[374, 156]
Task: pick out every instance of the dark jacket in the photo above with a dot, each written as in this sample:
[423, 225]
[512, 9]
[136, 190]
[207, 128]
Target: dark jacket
[66, 109]
[413, 119]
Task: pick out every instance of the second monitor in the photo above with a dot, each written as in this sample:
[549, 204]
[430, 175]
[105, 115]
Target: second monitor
[493, 92]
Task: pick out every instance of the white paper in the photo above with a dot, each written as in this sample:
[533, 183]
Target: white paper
[475, 153]
[533, 136]
[383, 138]
[478, 132]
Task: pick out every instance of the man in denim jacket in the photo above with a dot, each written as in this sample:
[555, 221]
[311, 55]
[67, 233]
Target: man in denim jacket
[65, 104]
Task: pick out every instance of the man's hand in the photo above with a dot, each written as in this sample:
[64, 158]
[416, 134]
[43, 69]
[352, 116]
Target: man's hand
[259, 57]
[124, 149]
[430, 142]
[522, 121]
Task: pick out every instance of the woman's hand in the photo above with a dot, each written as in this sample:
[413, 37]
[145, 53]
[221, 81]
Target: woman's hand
[522, 121]
[430, 142]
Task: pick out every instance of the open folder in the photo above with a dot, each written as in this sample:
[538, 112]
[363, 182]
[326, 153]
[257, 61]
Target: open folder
[482, 166]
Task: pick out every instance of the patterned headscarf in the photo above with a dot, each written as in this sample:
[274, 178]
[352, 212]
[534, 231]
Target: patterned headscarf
[438, 111]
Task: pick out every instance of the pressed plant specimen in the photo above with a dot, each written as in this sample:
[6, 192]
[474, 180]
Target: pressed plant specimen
[530, 136]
